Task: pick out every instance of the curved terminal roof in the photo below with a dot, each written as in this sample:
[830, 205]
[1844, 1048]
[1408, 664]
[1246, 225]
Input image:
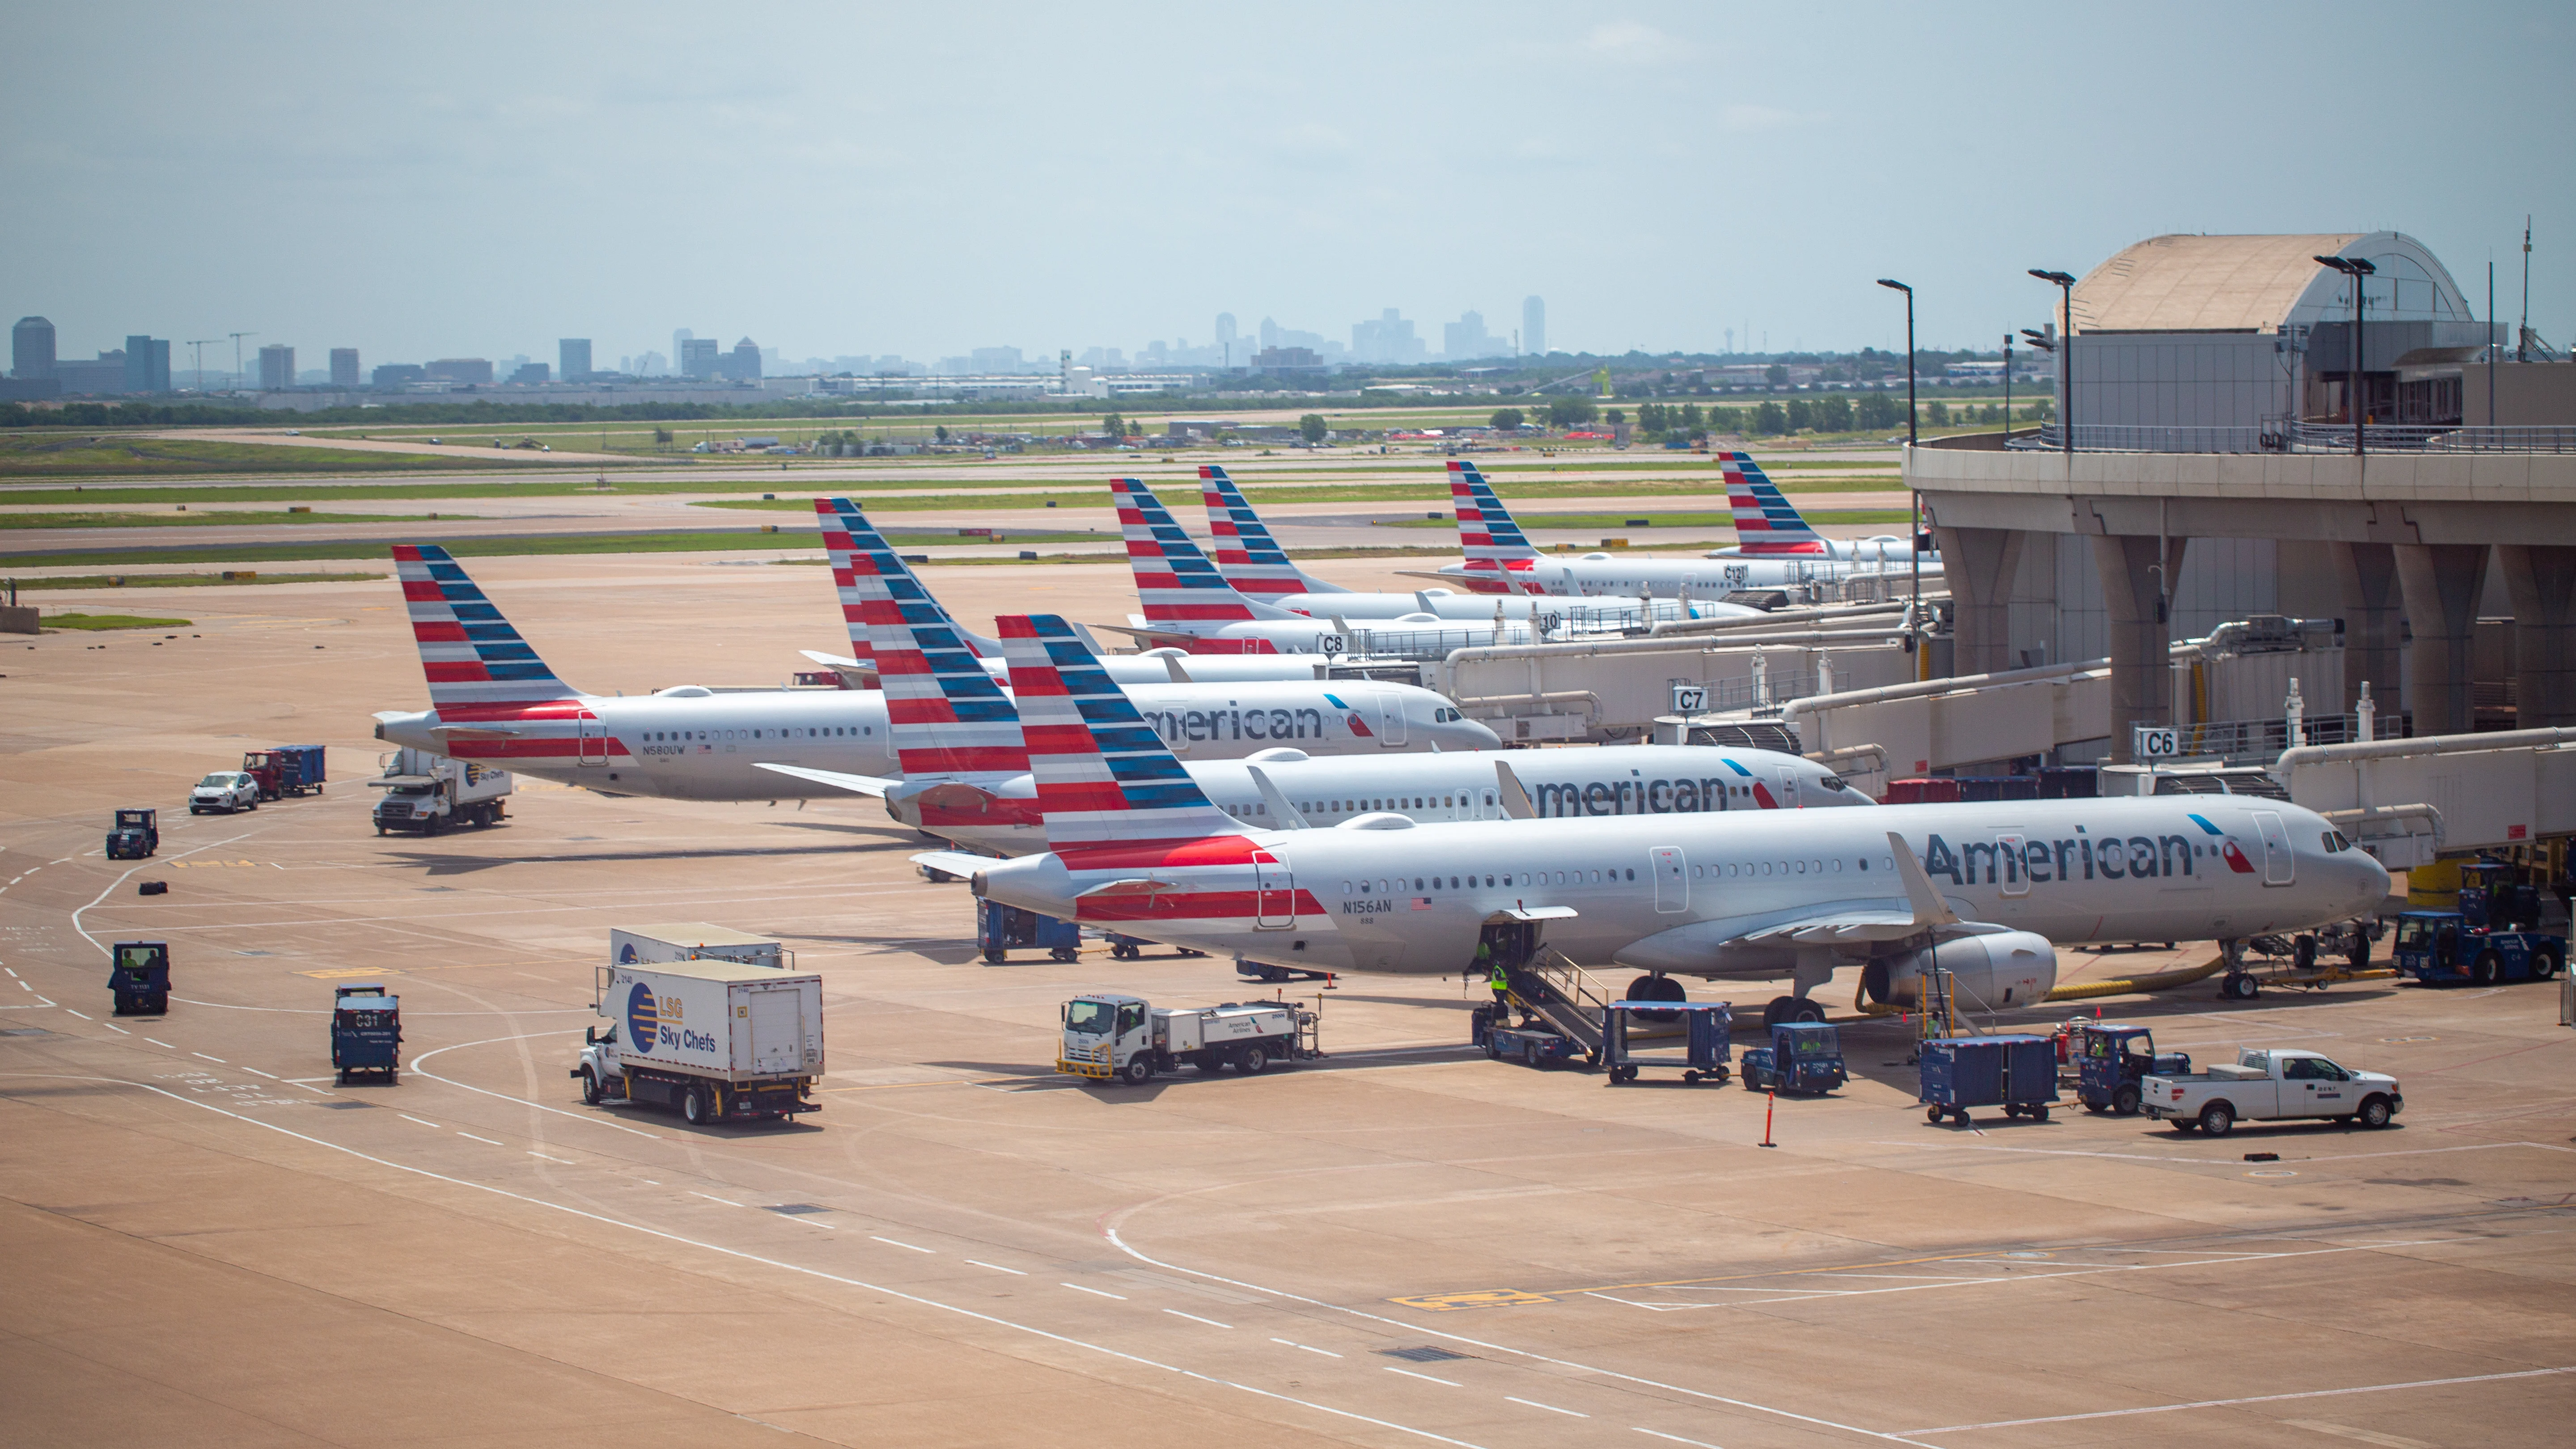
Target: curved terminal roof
[2186, 283]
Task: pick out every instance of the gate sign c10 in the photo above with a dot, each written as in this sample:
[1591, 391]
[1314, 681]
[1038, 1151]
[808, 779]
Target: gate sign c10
[2156, 742]
[1690, 699]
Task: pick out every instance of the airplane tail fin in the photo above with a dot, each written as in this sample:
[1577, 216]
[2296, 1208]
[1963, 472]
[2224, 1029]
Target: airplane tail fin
[1765, 523]
[948, 716]
[1178, 583]
[850, 541]
[470, 653]
[1103, 776]
[1246, 554]
[1486, 533]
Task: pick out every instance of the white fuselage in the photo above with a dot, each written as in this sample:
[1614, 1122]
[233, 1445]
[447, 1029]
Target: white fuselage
[1882, 551]
[1691, 894]
[1597, 574]
[694, 744]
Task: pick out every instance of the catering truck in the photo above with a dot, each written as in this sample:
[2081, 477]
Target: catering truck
[2268, 1085]
[719, 1040]
[431, 793]
[1108, 1036]
[686, 940]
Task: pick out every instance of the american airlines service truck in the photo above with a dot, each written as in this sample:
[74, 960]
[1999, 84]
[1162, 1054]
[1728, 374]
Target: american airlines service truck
[717, 1039]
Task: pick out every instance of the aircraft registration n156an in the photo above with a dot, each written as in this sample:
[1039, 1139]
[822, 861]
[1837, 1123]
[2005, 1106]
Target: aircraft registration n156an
[1137, 847]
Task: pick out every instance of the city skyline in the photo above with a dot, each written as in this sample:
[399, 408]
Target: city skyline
[1664, 176]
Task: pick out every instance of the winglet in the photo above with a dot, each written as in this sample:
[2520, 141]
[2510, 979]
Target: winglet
[1930, 911]
[1287, 815]
[1516, 801]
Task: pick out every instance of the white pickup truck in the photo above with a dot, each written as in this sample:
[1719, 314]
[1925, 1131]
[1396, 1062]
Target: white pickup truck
[2265, 1085]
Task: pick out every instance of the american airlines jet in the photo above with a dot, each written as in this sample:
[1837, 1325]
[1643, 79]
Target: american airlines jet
[1988, 890]
[1259, 569]
[1767, 525]
[1500, 559]
[960, 746]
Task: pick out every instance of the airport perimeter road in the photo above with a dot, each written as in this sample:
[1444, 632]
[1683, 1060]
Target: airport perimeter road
[211, 1242]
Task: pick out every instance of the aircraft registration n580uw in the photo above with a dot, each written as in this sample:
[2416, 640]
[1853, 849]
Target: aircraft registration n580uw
[1137, 847]
[960, 746]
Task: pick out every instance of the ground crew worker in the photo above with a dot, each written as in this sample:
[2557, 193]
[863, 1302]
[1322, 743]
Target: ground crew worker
[1498, 977]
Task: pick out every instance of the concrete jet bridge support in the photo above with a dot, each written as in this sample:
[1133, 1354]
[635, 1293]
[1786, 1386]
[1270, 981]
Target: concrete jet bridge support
[2409, 535]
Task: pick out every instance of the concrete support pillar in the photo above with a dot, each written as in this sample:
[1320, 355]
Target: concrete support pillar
[2371, 608]
[2542, 580]
[1979, 565]
[2133, 590]
[2443, 582]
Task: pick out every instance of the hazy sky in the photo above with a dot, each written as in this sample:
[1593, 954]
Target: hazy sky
[478, 180]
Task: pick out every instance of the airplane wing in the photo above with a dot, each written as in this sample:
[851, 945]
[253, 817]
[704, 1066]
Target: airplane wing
[1758, 946]
[857, 784]
[856, 673]
[1516, 801]
[956, 863]
[1158, 638]
[1286, 814]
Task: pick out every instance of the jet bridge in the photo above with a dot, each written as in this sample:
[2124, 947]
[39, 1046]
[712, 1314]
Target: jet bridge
[2406, 801]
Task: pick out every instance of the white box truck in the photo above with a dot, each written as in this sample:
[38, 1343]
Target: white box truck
[430, 793]
[717, 1039]
[1107, 1035]
[687, 940]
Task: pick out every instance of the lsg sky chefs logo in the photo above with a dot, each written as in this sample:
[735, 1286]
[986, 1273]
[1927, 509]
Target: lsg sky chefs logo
[654, 1022]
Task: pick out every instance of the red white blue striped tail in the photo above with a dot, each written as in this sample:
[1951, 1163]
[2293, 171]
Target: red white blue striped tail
[1103, 776]
[948, 715]
[1492, 543]
[1764, 521]
[1246, 554]
[470, 653]
[1177, 583]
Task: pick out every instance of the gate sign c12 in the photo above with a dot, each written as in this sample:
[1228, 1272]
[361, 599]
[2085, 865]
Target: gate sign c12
[2156, 742]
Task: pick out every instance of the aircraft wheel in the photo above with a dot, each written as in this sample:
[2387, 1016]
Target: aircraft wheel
[1777, 1010]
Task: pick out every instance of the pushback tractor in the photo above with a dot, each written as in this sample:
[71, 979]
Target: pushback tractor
[366, 1033]
[139, 978]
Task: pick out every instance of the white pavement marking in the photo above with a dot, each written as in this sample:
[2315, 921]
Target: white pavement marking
[1292, 1343]
[2366, 1436]
[711, 1197]
[891, 1243]
[1426, 1378]
[316, 1091]
[1078, 1288]
[809, 1222]
[1551, 1408]
[112, 1026]
[568, 1162]
[256, 1072]
[482, 1139]
[83, 1015]
[163, 1045]
[218, 1061]
[1194, 1318]
[2256, 1399]
[418, 1070]
[120, 880]
[787, 1267]
[12, 970]
[1676, 1438]
[425, 1122]
[998, 1268]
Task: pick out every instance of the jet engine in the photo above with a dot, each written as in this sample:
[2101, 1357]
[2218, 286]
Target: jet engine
[2004, 968]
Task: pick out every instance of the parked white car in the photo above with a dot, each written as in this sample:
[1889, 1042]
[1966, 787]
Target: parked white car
[2271, 1086]
[224, 790]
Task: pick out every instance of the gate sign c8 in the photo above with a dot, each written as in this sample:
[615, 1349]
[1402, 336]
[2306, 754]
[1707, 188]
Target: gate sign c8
[2156, 742]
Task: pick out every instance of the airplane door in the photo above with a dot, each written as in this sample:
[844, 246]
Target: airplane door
[1391, 733]
[1672, 879]
[2280, 865]
[594, 744]
[2008, 861]
[1789, 799]
[1274, 895]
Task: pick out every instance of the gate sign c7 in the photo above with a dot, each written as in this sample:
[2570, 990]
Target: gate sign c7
[1690, 699]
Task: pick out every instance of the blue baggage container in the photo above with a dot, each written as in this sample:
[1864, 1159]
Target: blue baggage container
[2016, 1073]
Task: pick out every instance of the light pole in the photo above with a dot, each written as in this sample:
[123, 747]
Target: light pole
[2355, 269]
[2065, 352]
[1914, 500]
[2007, 389]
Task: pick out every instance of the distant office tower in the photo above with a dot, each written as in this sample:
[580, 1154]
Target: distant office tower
[147, 363]
[1228, 350]
[1388, 339]
[395, 376]
[344, 367]
[743, 364]
[31, 348]
[697, 355]
[276, 367]
[528, 372]
[996, 360]
[1467, 338]
[572, 356]
[1533, 326]
[473, 370]
[680, 350]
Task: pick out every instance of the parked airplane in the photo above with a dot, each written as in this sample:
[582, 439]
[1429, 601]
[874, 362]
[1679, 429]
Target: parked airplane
[1985, 890]
[1259, 569]
[1768, 526]
[1501, 559]
[966, 778]
[840, 516]
[492, 698]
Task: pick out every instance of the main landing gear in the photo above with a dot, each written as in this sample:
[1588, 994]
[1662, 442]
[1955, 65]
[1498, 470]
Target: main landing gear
[1791, 1009]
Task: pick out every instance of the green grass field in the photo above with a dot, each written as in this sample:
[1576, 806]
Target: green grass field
[113, 455]
[183, 581]
[244, 518]
[704, 540]
[107, 621]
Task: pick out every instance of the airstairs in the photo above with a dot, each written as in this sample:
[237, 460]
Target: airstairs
[1552, 988]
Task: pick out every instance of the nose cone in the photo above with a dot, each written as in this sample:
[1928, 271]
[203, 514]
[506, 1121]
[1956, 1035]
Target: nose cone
[2369, 881]
[1468, 734]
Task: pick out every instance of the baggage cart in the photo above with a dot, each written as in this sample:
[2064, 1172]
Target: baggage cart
[1646, 1034]
[1001, 929]
[2016, 1073]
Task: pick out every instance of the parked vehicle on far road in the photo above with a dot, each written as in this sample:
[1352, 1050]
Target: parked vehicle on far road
[2267, 1085]
[226, 791]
